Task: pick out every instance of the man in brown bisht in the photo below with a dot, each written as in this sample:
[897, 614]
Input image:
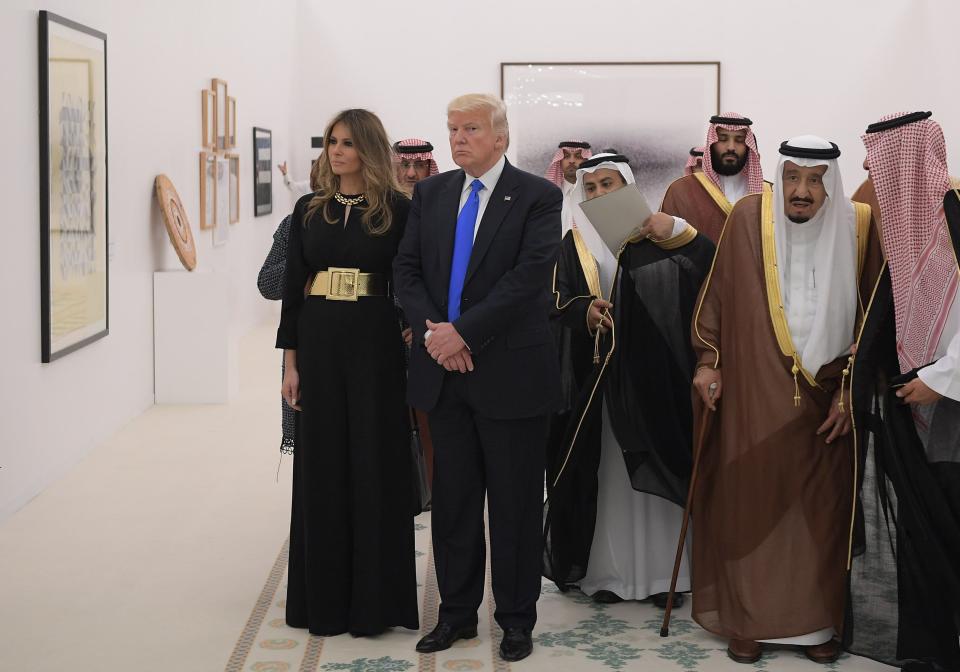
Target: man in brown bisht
[731, 170]
[773, 330]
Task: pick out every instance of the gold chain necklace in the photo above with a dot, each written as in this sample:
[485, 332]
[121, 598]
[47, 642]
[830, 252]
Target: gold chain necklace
[343, 200]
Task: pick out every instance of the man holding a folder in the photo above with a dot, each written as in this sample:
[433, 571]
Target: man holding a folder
[619, 457]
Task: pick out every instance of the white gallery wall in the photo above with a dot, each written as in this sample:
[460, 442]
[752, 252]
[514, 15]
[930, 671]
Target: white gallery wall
[824, 67]
[160, 56]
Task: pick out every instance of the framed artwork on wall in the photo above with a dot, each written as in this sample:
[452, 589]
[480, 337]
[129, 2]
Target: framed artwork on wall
[262, 171]
[208, 190]
[608, 105]
[220, 123]
[231, 121]
[209, 119]
[74, 204]
[233, 160]
[221, 229]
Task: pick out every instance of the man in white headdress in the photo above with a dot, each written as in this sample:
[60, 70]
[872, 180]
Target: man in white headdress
[619, 455]
[773, 331]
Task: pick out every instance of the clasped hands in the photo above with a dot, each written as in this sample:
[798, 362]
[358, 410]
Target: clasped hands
[447, 348]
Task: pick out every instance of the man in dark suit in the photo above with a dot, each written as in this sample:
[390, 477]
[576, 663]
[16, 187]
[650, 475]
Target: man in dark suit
[473, 275]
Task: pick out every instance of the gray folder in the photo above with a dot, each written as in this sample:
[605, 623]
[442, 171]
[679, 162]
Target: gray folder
[617, 215]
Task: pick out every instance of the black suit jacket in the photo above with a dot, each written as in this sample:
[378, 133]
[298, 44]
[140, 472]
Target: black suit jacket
[506, 294]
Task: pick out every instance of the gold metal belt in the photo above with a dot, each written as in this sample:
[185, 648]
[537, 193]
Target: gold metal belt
[347, 284]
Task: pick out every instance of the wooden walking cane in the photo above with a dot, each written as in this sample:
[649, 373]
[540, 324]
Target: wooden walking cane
[665, 628]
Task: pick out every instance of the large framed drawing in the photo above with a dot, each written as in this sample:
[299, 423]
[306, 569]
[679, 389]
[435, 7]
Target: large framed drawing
[262, 172]
[649, 111]
[74, 213]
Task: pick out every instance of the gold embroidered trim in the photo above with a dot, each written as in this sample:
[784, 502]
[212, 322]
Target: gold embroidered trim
[592, 261]
[853, 417]
[703, 295]
[589, 265]
[864, 215]
[685, 237]
[715, 193]
[774, 297]
[596, 384]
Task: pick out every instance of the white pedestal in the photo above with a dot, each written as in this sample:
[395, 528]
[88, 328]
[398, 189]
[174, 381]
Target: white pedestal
[195, 360]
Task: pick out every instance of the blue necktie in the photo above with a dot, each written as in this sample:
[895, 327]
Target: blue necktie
[462, 246]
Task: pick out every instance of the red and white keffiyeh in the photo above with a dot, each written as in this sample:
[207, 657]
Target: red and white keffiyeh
[415, 149]
[695, 159]
[908, 166]
[555, 171]
[753, 170]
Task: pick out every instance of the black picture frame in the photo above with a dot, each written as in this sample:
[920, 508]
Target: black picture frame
[74, 207]
[262, 171]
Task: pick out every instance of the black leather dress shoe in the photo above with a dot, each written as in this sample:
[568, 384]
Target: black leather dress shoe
[443, 636]
[516, 645]
[660, 600]
[606, 597]
[922, 666]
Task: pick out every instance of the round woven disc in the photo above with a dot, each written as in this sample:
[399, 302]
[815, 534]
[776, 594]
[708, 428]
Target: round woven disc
[175, 219]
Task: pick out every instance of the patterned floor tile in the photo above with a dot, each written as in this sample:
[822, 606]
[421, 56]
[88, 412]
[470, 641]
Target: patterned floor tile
[574, 634]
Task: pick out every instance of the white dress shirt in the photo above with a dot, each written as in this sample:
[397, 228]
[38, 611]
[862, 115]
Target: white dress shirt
[734, 186]
[800, 289]
[489, 180]
[943, 376]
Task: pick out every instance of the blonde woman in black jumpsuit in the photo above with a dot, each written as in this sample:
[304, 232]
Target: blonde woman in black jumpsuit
[351, 566]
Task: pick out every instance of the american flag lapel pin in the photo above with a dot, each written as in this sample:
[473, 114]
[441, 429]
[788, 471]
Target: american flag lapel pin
[506, 198]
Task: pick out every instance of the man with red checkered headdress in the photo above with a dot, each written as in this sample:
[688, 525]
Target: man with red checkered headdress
[562, 170]
[906, 583]
[414, 161]
[731, 170]
[695, 162]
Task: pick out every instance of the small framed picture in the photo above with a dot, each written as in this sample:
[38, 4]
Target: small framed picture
[220, 120]
[262, 171]
[234, 179]
[221, 229]
[208, 190]
[231, 121]
[209, 118]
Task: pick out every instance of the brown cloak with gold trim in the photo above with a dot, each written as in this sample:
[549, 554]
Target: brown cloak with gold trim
[696, 199]
[774, 502]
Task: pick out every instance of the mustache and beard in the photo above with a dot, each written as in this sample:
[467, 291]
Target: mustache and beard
[725, 169]
[801, 219]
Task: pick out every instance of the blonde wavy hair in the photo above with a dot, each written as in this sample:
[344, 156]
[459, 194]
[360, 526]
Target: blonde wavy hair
[379, 176]
[472, 102]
